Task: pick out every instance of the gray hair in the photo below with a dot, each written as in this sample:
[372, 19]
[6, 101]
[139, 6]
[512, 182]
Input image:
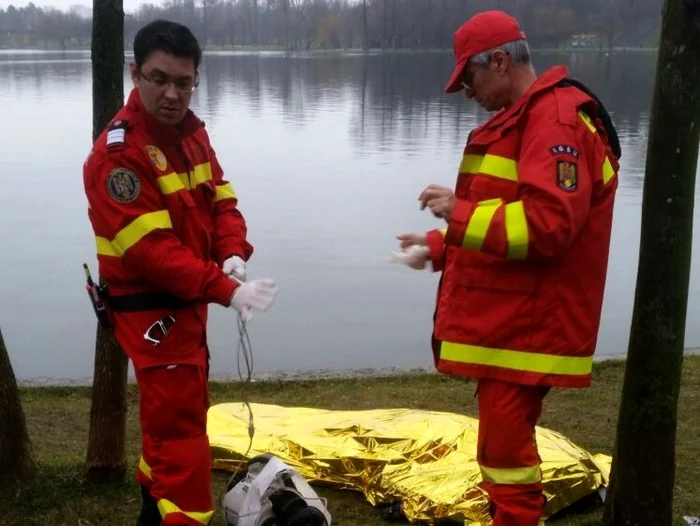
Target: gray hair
[518, 50]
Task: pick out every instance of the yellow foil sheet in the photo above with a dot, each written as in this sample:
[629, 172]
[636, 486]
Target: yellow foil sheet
[424, 459]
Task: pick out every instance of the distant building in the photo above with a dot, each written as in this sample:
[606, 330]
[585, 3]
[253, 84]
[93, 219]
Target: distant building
[585, 40]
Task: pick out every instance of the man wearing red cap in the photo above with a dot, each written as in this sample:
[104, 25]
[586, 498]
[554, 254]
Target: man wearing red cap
[524, 256]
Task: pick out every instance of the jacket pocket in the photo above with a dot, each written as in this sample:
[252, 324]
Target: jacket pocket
[180, 345]
[492, 305]
[499, 276]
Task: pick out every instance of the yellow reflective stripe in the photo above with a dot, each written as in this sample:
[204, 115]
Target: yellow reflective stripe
[587, 121]
[172, 182]
[166, 507]
[479, 224]
[443, 231]
[131, 234]
[145, 468]
[516, 230]
[224, 191]
[526, 475]
[105, 248]
[201, 174]
[518, 360]
[493, 165]
[470, 163]
[608, 171]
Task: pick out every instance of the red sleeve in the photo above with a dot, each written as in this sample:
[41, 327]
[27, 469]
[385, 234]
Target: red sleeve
[554, 194]
[436, 244]
[131, 222]
[230, 228]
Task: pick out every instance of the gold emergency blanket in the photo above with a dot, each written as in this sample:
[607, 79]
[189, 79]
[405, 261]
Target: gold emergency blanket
[424, 459]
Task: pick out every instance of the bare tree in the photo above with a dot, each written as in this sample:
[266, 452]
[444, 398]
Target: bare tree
[643, 473]
[105, 460]
[256, 26]
[365, 36]
[15, 448]
[392, 23]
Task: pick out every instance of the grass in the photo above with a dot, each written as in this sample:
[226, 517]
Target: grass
[58, 423]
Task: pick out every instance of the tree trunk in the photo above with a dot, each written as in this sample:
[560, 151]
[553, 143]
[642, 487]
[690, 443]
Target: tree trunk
[428, 25]
[256, 28]
[444, 35]
[385, 38]
[107, 62]
[15, 449]
[287, 39]
[105, 460]
[641, 490]
[365, 36]
[205, 21]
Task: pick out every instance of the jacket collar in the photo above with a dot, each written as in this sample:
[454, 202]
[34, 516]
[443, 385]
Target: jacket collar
[544, 82]
[164, 133]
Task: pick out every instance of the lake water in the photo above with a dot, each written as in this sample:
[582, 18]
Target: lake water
[327, 153]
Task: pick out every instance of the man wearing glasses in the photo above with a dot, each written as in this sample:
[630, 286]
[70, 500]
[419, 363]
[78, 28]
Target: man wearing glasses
[525, 252]
[170, 240]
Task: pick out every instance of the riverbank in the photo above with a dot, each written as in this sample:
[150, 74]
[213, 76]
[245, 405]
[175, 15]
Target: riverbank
[38, 47]
[298, 375]
[58, 419]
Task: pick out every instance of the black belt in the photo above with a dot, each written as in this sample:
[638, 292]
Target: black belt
[145, 301]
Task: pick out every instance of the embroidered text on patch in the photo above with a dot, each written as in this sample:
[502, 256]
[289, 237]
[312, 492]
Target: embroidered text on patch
[123, 185]
[567, 175]
[564, 148]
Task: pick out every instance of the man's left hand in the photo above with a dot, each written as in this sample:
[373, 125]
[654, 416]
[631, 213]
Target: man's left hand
[439, 199]
[235, 267]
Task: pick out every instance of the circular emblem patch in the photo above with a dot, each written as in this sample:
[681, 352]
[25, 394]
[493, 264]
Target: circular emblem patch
[157, 157]
[123, 185]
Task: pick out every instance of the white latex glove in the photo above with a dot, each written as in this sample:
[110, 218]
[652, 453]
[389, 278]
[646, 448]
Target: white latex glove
[415, 256]
[258, 294]
[235, 266]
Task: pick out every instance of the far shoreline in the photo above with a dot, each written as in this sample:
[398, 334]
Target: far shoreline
[371, 51]
[298, 375]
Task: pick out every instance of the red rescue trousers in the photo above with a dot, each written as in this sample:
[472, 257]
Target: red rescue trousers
[172, 377]
[507, 451]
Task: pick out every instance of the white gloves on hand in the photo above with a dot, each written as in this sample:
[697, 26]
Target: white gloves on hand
[415, 256]
[235, 266]
[258, 294]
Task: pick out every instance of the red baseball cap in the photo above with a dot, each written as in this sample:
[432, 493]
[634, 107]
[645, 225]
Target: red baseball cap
[481, 32]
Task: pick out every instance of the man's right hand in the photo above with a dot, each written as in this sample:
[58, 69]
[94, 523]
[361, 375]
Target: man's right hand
[408, 240]
[414, 256]
[257, 294]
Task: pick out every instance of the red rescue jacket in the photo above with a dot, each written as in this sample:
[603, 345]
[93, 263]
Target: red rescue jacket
[163, 215]
[524, 258]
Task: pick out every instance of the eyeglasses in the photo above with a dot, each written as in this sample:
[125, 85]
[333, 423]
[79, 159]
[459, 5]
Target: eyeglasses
[467, 78]
[161, 81]
[156, 332]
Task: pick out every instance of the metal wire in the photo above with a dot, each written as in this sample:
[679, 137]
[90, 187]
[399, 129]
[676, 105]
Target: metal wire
[245, 350]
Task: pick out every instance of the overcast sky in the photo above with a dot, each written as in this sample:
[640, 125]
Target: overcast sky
[64, 5]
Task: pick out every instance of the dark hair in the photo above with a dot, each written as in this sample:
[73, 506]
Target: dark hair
[170, 37]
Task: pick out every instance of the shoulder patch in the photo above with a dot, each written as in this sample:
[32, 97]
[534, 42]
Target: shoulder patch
[123, 185]
[564, 148]
[567, 175]
[116, 133]
[157, 157]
